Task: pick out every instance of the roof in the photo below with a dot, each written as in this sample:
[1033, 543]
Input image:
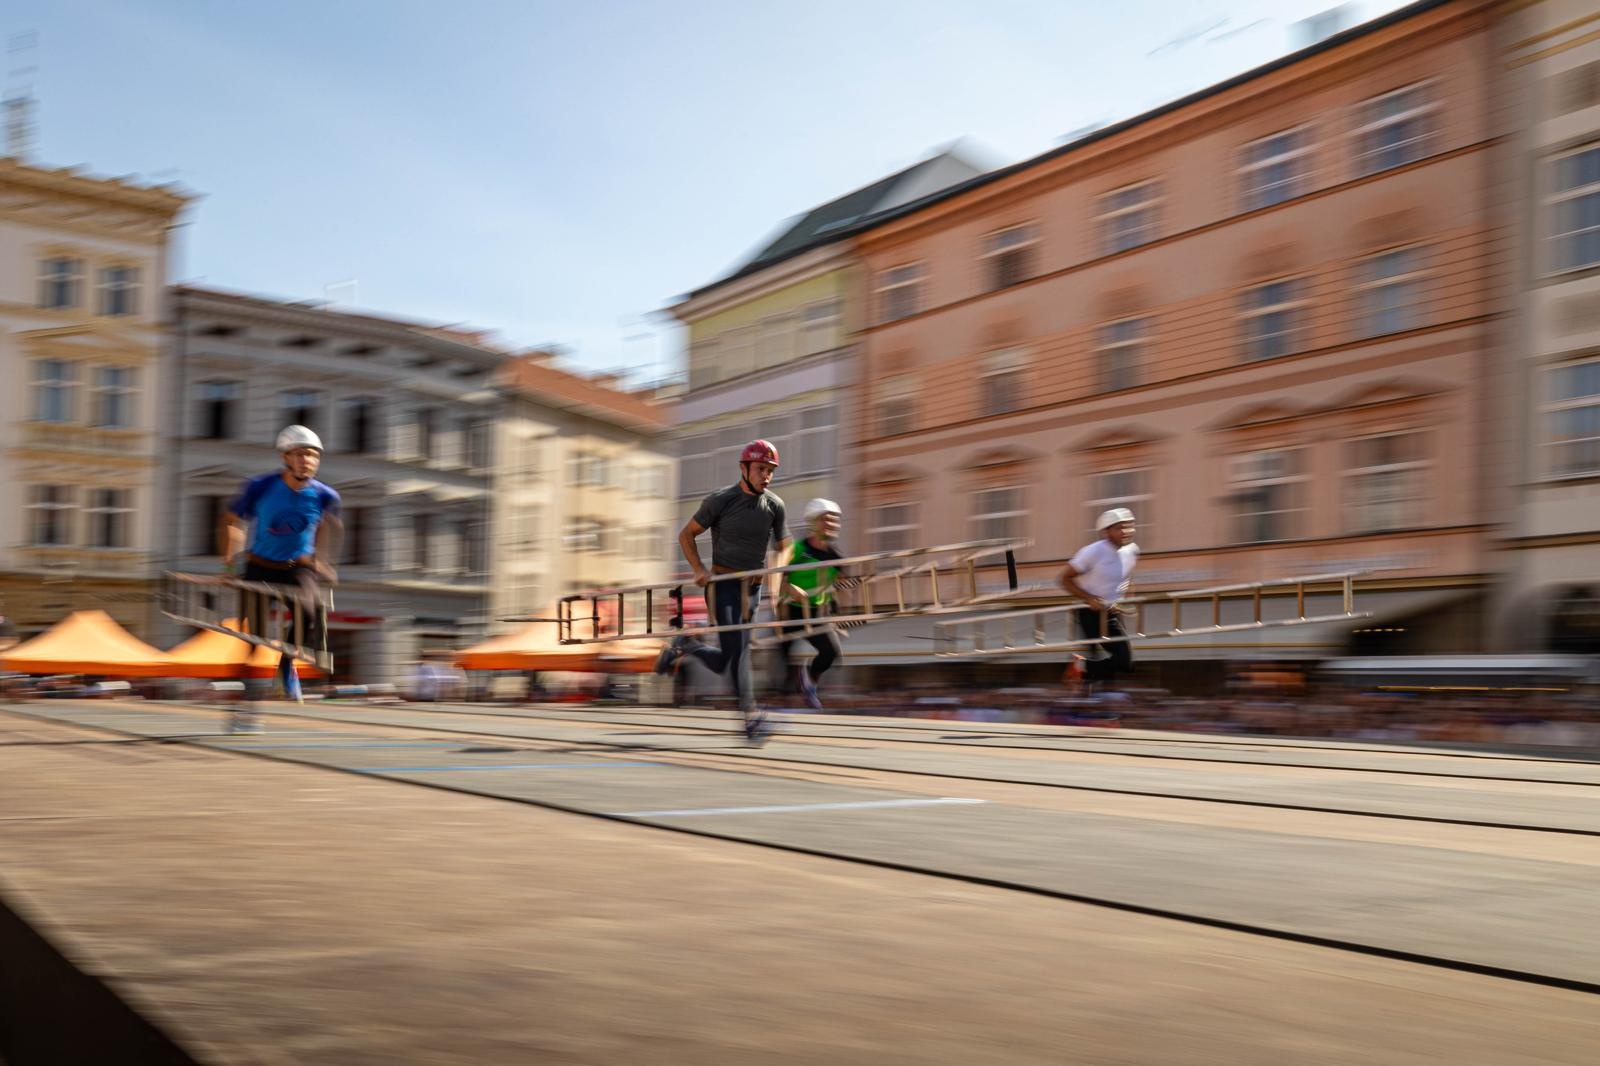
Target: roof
[209, 654]
[537, 646]
[529, 375]
[86, 642]
[834, 219]
[166, 200]
[890, 213]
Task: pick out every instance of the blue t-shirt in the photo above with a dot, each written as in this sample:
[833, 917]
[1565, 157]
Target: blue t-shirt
[285, 518]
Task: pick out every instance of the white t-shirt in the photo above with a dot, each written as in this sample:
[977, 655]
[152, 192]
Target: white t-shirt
[1103, 571]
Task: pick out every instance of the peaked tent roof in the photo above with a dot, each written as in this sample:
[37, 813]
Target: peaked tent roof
[86, 642]
[536, 647]
[209, 654]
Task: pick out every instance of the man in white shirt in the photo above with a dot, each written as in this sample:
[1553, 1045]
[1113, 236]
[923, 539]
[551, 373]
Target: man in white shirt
[1100, 575]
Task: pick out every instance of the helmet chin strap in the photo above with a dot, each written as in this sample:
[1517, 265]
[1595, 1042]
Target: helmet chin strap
[744, 476]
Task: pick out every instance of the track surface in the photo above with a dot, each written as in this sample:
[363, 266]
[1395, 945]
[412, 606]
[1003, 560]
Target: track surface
[1346, 846]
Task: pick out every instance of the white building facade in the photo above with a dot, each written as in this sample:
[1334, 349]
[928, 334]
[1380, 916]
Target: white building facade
[83, 265]
[406, 413]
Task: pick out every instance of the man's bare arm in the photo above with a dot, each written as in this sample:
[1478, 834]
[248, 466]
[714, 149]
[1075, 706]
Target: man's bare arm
[1069, 582]
[691, 551]
[230, 537]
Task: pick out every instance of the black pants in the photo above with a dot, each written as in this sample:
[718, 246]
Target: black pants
[255, 608]
[726, 603]
[1118, 657]
[826, 641]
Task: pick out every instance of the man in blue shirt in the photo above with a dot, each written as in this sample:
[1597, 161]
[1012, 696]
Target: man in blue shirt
[284, 529]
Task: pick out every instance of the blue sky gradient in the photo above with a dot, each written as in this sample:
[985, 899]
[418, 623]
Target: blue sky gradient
[560, 172]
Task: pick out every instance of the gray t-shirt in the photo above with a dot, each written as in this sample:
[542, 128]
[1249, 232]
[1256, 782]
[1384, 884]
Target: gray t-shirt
[742, 526]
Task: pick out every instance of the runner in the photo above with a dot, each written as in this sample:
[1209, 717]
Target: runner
[293, 541]
[809, 594]
[1099, 575]
[745, 519]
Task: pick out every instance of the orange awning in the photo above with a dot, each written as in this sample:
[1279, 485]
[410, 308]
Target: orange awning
[209, 654]
[86, 642]
[536, 647]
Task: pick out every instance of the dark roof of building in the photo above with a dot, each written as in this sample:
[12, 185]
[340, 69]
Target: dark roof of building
[834, 219]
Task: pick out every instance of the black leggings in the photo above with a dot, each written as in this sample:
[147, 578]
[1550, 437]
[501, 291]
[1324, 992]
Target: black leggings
[255, 608]
[1118, 658]
[826, 641]
[725, 604]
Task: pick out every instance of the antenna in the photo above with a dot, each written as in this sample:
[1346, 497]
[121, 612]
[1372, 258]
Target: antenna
[21, 128]
[347, 286]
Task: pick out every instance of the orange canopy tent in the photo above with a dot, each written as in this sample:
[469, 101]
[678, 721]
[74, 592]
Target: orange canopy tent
[209, 654]
[86, 642]
[536, 647]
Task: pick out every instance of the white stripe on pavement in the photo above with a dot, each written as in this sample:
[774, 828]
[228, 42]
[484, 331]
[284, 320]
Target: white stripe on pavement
[692, 812]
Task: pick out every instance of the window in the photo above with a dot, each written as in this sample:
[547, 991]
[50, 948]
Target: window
[776, 342]
[1121, 488]
[1127, 217]
[899, 292]
[299, 407]
[477, 432]
[581, 535]
[55, 382]
[1393, 129]
[360, 420]
[703, 367]
[219, 409]
[1267, 494]
[1000, 382]
[891, 527]
[1009, 255]
[108, 514]
[1122, 353]
[819, 329]
[119, 290]
[1390, 292]
[1575, 89]
[1384, 482]
[1574, 209]
[50, 510]
[697, 461]
[1274, 169]
[360, 524]
[585, 468]
[896, 409]
[526, 524]
[1572, 420]
[207, 518]
[425, 433]
[646, 543]
[422, 548]
[113, 397]
[473, 546]
[997, 514]
[1273, 317]
[815, 444]
[60, 282]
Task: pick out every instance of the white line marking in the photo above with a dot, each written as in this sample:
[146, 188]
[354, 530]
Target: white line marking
[692, 812]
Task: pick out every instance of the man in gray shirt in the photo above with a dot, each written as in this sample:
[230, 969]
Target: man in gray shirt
[745, 520]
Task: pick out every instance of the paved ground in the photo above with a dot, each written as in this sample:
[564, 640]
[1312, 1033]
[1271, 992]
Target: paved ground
[263, 910]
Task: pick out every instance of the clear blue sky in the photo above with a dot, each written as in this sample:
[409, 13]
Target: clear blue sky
[558, 172]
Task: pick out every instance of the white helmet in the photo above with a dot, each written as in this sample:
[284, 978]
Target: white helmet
[298, 437]
[1114, 517]
[819, 507]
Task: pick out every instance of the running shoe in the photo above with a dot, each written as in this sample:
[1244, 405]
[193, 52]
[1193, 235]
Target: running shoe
[757, 727]
[808, 689]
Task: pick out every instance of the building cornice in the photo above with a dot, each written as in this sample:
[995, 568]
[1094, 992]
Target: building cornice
[164, 201]
[813, 264]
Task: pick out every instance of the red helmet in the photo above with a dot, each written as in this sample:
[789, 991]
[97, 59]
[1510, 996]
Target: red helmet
[759, 451]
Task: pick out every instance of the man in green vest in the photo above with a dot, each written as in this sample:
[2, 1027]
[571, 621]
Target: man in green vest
[808, 594]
